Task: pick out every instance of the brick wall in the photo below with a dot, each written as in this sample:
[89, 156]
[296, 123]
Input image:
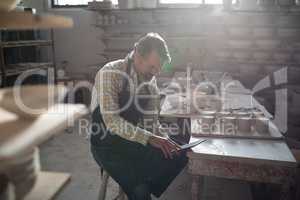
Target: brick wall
[249, 45]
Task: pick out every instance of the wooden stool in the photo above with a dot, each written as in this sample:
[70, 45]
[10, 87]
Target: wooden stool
[103, 188]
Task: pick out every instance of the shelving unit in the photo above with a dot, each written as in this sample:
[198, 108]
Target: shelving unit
[16, 66]
[16, 69]
[26, 43]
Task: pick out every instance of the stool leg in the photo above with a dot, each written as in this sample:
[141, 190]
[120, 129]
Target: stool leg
[103, 186]
[121, 195]
[197, 187]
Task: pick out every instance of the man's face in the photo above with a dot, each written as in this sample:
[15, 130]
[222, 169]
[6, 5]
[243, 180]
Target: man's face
[150, 65]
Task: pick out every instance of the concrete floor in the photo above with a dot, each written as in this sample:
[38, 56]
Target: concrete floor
[69, 152]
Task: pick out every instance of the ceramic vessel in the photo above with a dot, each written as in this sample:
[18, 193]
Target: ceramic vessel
[244, 124]
[146, 3]
[262, 125]
[223, 114]
[206, 124]
[208, 112]
[257, 114]
[241, 114]
[265, 3]
[286, 2]
[127, 4]
[228, 125]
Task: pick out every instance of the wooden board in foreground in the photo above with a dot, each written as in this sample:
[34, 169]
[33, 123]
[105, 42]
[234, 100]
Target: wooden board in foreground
[18, 20]
[48, 185]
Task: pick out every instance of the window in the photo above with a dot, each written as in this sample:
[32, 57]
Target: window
[82, 3]
[191, 1]
[73, 3]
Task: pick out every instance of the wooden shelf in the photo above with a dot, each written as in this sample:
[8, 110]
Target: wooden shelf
[197, 37]
[193, 7]
[23, 43]
[294, 10]
[17, 21]
[19, 68]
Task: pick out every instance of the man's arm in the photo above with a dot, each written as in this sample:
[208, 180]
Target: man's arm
[108, 84]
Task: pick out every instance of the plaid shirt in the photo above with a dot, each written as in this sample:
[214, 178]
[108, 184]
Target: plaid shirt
[109, 82]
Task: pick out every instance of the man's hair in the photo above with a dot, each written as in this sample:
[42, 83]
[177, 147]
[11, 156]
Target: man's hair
[153, 42]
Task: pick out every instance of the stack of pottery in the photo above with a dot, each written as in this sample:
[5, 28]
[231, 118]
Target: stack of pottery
[244, 124]
[266, 3]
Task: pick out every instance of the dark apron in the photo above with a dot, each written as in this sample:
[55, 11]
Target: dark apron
[129, 163]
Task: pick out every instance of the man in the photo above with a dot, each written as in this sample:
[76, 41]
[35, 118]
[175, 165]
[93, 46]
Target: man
[126, 138]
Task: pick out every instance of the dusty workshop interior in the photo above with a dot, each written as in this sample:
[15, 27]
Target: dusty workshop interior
[150, 99]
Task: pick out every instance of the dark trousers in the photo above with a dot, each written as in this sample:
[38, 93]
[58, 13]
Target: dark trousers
[136, 167]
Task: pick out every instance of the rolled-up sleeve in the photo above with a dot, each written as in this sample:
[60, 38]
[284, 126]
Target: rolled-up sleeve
[108, 84]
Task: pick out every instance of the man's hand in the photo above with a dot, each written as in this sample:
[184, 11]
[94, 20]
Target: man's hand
[167, 146]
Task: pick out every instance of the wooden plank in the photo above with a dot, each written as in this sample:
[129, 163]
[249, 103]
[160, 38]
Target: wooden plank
[18, 68]
[48, 185]
[21, 134]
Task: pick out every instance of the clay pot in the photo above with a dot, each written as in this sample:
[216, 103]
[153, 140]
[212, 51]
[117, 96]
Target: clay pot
[244, 124]
[223, 114]
[266, 3]
[227, 4]
[228, 125]
[262, 125]
[286, 2]
[206, 123]
[258, 114]
[208, 112]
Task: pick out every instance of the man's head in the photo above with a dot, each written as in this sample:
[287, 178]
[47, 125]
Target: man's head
[150, 54]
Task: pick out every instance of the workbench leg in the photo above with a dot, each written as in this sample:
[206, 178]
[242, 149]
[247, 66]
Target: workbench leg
[197, 187]
[287, 188]
[285, 193]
